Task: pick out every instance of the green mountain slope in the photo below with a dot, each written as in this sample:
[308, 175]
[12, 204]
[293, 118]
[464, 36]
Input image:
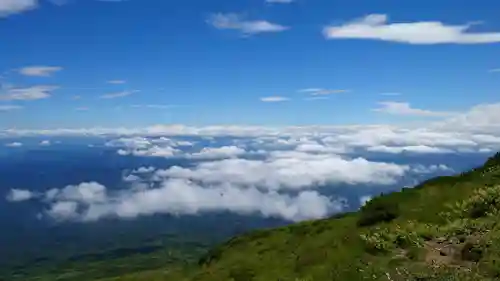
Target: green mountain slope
[445, 229]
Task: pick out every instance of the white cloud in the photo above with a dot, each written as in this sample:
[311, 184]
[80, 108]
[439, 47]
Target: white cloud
[476, 129]
[179, 196]
[117, 95]
[40, 71]
[29, 93]
[411, 148]
[236, 22]
[218, 152]
[10, 107]
[274, 99]
[404, 108]
[482, 118]
[131, 178]
[421, 169]
[64, 210]
[322, 92]
[280, 1]
[288, 170]
[377, 27]
[134, 142]
[14, 144]
[10, 7]
[154, 151]
[19, 195]
[86, 193]
[116, 82]
[45, 143]
[144, 170]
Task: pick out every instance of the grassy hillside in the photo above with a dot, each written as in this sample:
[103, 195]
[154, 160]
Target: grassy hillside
[445, 229]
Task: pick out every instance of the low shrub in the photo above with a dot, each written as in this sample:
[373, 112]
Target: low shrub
[377, 211]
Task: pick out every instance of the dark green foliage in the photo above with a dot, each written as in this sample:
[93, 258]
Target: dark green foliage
[472, 252]
[211, 256]
[378, 210]
[241, 274]
[493, 161]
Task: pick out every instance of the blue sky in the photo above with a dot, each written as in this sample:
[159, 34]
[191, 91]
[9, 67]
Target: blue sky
[86, 63]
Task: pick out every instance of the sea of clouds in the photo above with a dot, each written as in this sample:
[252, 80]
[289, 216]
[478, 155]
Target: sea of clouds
[272, 172]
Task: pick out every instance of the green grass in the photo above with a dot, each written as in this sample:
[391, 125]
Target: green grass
[446, 228]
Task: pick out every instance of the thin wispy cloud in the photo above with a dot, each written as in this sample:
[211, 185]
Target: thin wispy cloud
[390, 94]
[377, 27]
[154, 106]
[116, 82]
[280, 1]
[322, 92]
[317, 98]
[11, 7]
[237, 22]
[29, 93]
[117, 95]
[14, 144]
[404, 108]
[495, 70]
[9, 107]
[40, 71]
[274, 99]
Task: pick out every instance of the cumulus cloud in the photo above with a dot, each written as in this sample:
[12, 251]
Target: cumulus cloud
[237, 22]
[64, 210]
[377, 27]
[19, 195]
[217, 152]
[45, 143]
[288, 170]
[483, 118]
[10, 7]
[274, 99]
[40, 71]
[403, 108]
[90, 192]
[92, 201]
[29, 93]
[144, 170]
